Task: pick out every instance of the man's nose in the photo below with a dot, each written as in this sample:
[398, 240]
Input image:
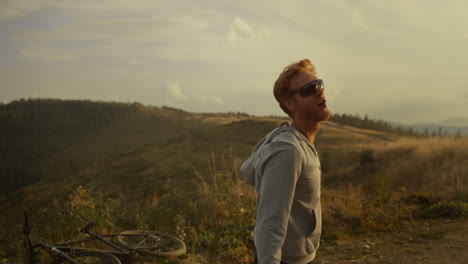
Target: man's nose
[319, 92]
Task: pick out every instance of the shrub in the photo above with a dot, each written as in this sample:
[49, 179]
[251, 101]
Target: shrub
[366, 157]
[446, 209]
[422, 200]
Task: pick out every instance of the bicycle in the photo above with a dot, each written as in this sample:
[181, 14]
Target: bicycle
[128, 243]
[59, 256]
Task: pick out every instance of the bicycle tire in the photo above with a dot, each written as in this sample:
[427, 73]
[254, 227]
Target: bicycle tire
[90, 257]
[151, 243]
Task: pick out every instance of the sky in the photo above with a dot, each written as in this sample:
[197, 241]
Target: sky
[401, 61]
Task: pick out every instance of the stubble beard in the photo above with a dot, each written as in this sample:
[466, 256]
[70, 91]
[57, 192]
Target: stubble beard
[321, 116]
[327, 115]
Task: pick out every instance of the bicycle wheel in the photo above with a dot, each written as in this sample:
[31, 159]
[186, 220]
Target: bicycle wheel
[151, 243]
[89, 257]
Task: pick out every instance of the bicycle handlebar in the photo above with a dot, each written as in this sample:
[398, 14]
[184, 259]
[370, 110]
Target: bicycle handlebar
[86, 228]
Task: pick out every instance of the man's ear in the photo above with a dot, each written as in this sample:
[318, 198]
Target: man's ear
[289, 104]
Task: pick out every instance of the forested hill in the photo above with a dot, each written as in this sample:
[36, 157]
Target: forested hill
[33, 130]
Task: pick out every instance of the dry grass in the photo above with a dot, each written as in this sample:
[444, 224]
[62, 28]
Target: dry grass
[435, 165]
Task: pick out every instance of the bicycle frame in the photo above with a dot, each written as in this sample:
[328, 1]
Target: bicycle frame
[67, 246]
[121, 248]
[54, 251]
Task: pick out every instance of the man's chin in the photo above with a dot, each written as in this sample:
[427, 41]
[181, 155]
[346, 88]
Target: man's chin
[326, 115]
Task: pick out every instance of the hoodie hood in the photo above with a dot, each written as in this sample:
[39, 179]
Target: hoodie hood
[247, 170]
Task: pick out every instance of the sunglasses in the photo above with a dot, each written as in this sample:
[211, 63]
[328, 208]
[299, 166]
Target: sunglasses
[310, 88]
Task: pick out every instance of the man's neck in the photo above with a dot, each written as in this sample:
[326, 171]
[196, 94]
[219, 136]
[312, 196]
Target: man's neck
[309, 129]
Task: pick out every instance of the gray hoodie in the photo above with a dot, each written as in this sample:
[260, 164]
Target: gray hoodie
[285, 170]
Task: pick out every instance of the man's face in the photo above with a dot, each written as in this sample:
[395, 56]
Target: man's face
[308, 106]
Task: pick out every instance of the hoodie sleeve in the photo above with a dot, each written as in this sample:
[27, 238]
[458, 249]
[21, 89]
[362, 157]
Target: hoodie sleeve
[281, 170]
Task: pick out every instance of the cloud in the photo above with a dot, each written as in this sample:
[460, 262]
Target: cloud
[122, 30]
[174, 96]
[240, 30]
[173, 91]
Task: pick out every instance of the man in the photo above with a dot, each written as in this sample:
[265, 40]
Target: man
[285, 170]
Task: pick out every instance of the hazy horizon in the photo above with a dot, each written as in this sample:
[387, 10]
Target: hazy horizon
[401, 61]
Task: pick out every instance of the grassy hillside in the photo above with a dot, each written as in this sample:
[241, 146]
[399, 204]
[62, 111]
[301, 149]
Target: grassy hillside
[170, 170]
[155, 149]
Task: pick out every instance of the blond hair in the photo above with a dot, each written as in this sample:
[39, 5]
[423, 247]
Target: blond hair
[280, 89]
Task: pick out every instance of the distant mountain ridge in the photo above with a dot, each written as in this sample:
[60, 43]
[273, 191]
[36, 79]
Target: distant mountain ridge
[455, 122]
[435, 129]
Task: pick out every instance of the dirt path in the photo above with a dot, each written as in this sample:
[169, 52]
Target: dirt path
[429, 242]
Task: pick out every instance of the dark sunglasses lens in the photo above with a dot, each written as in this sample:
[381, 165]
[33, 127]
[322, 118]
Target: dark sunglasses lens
[311, 88]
